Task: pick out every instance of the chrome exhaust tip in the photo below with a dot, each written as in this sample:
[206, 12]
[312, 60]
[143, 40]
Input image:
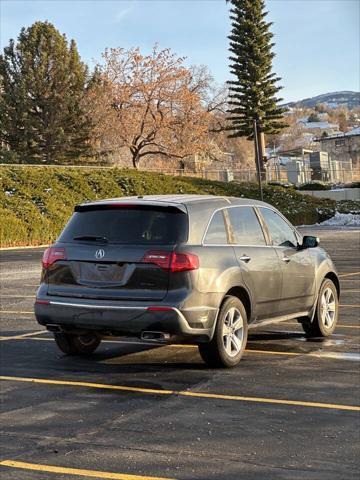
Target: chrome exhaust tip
[52, 327]
[155, 336]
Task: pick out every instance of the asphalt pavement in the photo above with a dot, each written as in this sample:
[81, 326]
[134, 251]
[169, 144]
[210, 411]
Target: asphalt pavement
[132, 411]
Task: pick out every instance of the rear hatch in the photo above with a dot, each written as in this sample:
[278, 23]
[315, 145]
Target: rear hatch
[117, 252]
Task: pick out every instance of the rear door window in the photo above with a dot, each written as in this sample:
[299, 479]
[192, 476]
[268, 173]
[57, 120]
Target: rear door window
[216, 233]
[280, 231]
[245, 226]
[134, 226]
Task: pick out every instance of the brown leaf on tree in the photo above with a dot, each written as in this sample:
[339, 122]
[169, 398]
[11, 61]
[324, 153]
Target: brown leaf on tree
[151, 105]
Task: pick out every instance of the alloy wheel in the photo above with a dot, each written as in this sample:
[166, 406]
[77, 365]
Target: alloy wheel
[233, 332]
[328, 308]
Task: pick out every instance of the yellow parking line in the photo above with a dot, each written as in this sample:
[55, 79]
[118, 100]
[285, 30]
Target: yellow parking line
[350, 291]
[330, 406]
[102, 386]
[17, 312]
[317, 354]
[17, 296]
[274, 352]
[28, 247]
[247, 350]
[350, 306]
[250, 350]
[24, 335]
[76, 471]
[297, 324]
[182, 393]
[348, 326]
[349, 274]
[36, 338]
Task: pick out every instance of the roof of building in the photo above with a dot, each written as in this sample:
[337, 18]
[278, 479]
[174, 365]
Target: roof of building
[351, 133]
[320, 125]
[294, 152]
[354, 131]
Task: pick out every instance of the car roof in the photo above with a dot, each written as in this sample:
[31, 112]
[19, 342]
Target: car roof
[176, 200]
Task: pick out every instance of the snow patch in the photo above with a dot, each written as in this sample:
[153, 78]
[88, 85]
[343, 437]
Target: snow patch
[343, 219]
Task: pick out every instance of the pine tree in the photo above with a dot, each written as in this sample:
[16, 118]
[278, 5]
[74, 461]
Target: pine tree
[43, 82]
[252, 95]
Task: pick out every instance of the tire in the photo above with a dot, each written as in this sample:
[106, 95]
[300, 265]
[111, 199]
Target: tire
[228, 343]
[77, 344]
[326, 313]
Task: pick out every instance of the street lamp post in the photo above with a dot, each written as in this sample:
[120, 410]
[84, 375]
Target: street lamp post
[258, 158]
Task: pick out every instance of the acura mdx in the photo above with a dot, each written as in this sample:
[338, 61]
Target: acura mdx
[186, 269]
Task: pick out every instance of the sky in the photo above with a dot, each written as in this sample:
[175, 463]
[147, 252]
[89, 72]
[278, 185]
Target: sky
[317, 41]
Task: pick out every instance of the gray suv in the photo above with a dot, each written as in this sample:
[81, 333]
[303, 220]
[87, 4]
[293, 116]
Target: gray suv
[184, 268]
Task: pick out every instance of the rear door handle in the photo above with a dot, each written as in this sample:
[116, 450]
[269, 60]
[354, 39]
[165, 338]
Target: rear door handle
[245, 258]
[286, 259]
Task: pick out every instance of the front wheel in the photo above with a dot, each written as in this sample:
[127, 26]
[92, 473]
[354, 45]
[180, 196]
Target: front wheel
[230, 336]
[77, 344]
[327, 311]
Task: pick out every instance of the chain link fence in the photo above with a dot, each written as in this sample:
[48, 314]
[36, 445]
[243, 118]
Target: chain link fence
[228, 175]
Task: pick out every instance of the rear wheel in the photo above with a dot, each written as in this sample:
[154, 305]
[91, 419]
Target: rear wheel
[77, 344]
[326, 314]
[229, 341]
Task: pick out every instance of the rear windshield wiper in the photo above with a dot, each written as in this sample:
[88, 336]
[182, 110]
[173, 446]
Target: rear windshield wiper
[92, 238]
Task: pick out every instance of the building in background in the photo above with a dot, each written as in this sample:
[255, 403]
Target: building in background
[344, 148]
[320, 165]
[302, 165]
[321, 125]
[298, 171]
[290, 166]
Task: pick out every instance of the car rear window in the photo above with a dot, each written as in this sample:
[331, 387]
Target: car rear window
[136, 226]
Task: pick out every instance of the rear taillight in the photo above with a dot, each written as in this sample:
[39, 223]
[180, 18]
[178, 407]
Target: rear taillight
[52, 254]
[173, 261]
[181, 262]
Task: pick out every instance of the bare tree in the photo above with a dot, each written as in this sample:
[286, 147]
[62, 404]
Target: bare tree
[152, 105]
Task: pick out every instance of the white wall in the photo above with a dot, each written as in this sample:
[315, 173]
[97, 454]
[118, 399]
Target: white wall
[340, 194]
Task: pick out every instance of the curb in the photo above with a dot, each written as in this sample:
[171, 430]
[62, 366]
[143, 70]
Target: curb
[3, 249]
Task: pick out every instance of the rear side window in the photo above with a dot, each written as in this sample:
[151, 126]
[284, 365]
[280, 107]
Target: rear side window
[135, 226]
[281, 233]
[246, 229]
[216, 233]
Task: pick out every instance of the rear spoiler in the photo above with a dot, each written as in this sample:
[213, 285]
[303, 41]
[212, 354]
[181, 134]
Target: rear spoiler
[157, 206]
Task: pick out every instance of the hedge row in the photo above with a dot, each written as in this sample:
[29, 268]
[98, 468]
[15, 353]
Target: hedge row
[35, 202]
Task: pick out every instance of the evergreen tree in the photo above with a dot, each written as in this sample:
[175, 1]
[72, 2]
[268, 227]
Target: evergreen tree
[43, 82]
[252, 95]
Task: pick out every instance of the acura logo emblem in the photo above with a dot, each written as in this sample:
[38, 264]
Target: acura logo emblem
[99, 253]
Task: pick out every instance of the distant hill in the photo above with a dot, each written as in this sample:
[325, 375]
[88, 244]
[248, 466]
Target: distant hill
[332, 100]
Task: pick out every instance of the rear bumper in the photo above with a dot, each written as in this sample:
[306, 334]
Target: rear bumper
[194, 324]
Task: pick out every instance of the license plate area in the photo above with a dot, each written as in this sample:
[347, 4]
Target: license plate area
[103, 274]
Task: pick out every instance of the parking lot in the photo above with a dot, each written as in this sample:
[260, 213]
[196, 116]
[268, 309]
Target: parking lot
[134, 411]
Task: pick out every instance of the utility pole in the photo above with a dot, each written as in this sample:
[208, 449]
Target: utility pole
[259, 160]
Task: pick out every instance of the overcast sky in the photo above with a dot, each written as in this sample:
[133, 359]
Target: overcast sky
[317, 41]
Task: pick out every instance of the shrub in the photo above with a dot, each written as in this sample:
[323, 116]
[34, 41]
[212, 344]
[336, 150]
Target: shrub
[314, 186]
[8, 156]
[36, 202]
[353, 185]
[348, 206]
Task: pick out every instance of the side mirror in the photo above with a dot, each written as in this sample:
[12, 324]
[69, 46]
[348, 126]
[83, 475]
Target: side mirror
[309, 242]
